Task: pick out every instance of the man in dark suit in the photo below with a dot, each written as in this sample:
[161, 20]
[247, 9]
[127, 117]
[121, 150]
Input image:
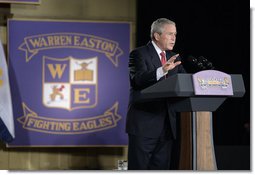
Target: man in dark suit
[151, 125]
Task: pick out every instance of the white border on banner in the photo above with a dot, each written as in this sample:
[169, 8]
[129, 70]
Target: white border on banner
[252, 3]
[252, 78]
[252, 47]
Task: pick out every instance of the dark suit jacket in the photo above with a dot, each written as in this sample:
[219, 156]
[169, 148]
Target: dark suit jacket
[146, 119]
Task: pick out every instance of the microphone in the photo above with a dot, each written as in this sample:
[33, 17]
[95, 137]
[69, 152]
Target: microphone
[192, 59]
[206, 63]
[197, 64]
[200, 63]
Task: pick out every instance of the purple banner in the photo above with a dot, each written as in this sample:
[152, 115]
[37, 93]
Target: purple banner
[21, 1]
[212, 82]
[69, 82]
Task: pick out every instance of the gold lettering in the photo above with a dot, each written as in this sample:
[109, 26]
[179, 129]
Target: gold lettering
[35, 42]
[56, 40]
[53, 125]
[43, 43]
[50, 41]
[91, 43]
[65, 40]
[76, 126]
[84, 42]
[91, 124]
[83, 126]
[49, 125]
[76, 41]
[102, 45]
[108, 46]
[98, 42]
[39, 124]
[38, 42]
[106, 121]
[56, 71]
[46, 125]
[63, 126]
[31, 121]
[80, 94]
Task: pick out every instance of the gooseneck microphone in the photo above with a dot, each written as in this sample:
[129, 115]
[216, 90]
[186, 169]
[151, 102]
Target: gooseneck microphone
[200, 63]
[206, 63]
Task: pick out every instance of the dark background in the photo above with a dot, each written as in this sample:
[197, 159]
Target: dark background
[220, 31]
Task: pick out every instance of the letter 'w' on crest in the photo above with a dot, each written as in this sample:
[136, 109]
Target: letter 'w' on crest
[7, 133]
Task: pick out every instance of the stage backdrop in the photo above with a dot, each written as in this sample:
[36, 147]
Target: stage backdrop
[69, 82]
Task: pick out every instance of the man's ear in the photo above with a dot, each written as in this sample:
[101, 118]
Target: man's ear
[156, 36]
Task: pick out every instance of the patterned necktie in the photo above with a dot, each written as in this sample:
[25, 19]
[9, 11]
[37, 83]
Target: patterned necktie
[163, 58]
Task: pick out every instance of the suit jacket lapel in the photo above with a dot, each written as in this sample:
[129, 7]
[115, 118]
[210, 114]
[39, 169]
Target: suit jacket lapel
[154, 56]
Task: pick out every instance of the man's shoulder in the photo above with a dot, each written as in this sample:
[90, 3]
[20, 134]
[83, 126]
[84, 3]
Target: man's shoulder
[144, 48]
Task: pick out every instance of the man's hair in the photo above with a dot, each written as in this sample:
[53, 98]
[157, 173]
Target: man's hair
[157, 26]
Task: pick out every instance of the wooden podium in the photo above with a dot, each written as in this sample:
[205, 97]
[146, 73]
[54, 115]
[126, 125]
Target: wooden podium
[197, 147]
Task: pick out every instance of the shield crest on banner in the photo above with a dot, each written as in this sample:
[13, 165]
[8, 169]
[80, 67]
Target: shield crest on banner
[69, 83]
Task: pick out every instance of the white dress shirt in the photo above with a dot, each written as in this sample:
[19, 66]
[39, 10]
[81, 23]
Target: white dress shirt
[160, 72]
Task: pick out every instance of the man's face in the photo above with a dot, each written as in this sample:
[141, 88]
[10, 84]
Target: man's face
[166, 40]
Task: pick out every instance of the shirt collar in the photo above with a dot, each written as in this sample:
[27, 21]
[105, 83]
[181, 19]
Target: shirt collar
[157, 48]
